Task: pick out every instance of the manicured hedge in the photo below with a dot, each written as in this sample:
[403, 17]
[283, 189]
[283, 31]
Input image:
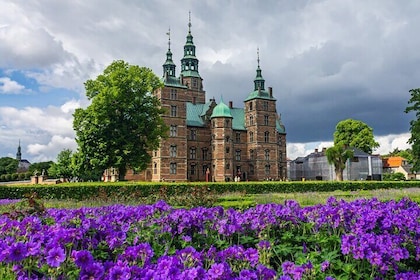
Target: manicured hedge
[81, 191]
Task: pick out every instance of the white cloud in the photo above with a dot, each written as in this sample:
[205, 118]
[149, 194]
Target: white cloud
[9, 86]
[46, 152]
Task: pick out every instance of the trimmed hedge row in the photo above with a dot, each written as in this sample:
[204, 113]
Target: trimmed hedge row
[81, 191]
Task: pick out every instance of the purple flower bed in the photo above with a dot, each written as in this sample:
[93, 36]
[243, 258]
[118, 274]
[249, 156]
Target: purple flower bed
[364, 239]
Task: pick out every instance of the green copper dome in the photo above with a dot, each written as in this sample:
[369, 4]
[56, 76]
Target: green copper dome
[221, 111]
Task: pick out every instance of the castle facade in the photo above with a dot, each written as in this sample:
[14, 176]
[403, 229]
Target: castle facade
[211, 141]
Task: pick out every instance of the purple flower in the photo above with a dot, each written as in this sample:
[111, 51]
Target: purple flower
[55, 256]
[325, 265]
[82, 258]
[18, 252]
[92, 271]
[219, 271]
[119, 271]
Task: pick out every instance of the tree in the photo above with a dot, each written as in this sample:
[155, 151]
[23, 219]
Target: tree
[338, 156]
[8, 165]
[355, 134]
[39, 167]
[123, 124]
[414, 140]
[63, 168]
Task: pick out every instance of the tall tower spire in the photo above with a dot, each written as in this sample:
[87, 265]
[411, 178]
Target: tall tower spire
[259, 80]
[169, 65]
[189, 63]
[19, 153]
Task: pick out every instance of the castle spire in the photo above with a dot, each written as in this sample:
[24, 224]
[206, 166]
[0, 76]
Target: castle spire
[189, 63]
[169, 65]
[259, 80]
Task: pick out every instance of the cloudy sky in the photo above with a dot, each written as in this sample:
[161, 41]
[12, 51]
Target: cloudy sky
[326, 60]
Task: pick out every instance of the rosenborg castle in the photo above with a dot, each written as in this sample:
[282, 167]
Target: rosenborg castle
[210, 141]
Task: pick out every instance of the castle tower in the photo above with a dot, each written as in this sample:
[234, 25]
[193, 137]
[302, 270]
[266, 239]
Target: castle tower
[189, 70]
[261, 123]
[222, 143]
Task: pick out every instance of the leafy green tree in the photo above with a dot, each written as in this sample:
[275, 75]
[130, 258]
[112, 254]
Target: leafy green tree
[338, 156]
[355, 134]
[123, 124]
[407, 154]
[414, 106]
[8, 165]
[63, 168]
[39, 167]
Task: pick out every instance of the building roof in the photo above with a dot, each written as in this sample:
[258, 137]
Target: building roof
[221, 111]
[171, 81]
[260, 94]
[394, 161]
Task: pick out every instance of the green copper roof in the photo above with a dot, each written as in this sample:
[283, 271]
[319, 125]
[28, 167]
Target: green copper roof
[221, 111]
[238, 122]
[190, 73]
[172, 82]
[259, 94]
[194, 113]
[280, 127]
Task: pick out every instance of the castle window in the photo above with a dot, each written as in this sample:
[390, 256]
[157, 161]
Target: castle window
[238, 137]
[193, 134]
[251, 154]
[214, 123]
[172, 168]
[227, 165]
[227, 123]
[174, 94]
[251, 169]
[204, 153]
[194, 81]
[251, 120]
[192, 169]
[238, 155]
[251, 136]
[173, 111]
[267, 169]
[227, 150]
[267, 154]
[265, 105]
[204, 169]
[173, 131]
[266, 136]
[266, 120]
[227, 138]
[173, 151]
[193, 153]
[155, 168]
[250, 106]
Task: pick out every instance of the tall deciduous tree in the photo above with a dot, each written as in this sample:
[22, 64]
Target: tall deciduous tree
[355, 134]
[123, 124]
[414, 106]
[338, 156]
[8, 165]
[63, 168]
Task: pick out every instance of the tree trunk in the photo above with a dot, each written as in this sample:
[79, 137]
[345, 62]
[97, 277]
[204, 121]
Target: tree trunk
[339, 174]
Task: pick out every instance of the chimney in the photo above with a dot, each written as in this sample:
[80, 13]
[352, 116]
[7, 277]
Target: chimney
[230, 104]
[324, 149]
[270, 91]
[316, 150]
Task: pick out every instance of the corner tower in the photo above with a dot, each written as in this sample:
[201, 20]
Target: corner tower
[190, 76]
[261, 121]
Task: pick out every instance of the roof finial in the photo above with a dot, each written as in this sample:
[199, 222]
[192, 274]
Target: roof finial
[258, 57]
[169, 38]
[189, 21]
